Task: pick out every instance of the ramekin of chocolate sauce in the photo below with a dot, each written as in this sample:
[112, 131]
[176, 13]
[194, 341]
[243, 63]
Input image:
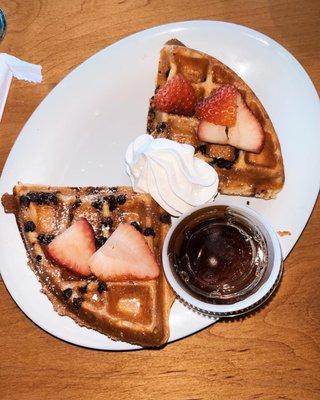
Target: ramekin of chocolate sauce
[222, 260]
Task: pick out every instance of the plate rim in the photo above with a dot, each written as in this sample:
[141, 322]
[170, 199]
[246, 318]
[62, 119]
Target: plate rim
[182, 25]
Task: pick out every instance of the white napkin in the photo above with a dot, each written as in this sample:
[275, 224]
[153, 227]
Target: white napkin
[14, 67]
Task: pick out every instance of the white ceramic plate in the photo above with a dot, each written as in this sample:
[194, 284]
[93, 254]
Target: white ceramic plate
[79, 134]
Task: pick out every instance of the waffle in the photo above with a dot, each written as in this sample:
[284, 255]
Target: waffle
[133, 311]
[240, 172]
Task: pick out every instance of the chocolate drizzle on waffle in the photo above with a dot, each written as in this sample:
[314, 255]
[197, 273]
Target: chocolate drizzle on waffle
[240, 172]
[132, 311]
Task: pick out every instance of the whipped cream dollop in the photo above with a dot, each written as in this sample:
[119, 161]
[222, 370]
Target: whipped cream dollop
[170, 172]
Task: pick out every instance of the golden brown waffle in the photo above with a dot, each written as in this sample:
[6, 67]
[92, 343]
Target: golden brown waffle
[240, 172]
[135, 312]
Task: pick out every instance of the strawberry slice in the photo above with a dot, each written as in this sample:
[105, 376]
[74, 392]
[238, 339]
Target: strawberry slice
[211, 133]
[247, 134]
[177, 96]
[220, 107]
[73, 247]
[125, 256]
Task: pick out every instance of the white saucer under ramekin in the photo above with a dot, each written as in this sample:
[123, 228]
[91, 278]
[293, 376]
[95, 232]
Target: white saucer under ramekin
[265, 287]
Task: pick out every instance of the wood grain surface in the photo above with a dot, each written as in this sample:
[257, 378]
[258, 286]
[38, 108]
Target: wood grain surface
[273, 354]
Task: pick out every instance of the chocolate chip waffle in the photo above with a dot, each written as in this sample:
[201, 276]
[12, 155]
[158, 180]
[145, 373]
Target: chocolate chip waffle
[133, 311]
[240, 172]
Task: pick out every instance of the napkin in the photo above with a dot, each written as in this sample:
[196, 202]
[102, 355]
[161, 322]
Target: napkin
[11, 66]
[14, 67]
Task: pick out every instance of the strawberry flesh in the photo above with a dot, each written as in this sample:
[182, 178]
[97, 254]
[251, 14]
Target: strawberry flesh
[73, 247]
[220, 107]
[247, 134]
[177, 96]
[125, 256]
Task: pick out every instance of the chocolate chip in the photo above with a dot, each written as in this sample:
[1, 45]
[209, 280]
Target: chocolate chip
[149, 232]
[112, 202]
[67, 293]
[77, 203]
[97, 204]
[45, 238]
[43, 197]
[221, 163]
[24, 200]
[202, 149]
[93, 190]
[137, 225]
[121, 199]
[77, 302]
[107, 222]
[102, 287]
[38, 257]
[248, 203]
[165, 218]
[151, 113]
[161, 127]
[83, 289]
[47, 198]
[33, 196]
[113, 189]
[29, 226]
[51, 198]
[100, 240]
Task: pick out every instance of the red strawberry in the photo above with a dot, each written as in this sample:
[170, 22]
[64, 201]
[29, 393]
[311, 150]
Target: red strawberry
[177, 96]
[220, 107]
[73, 247]
[125, 256]
[247, 134]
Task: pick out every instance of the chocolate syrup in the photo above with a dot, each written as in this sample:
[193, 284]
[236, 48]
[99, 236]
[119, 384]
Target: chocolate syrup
[218, 255]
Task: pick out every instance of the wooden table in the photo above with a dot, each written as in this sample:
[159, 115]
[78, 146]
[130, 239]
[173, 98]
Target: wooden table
[273, 354]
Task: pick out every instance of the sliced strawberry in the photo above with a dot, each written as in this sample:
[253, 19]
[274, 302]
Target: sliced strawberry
[247, 134]
[125, 256]
[73, 247]
[177, 96]
[211, 133]
[220, 107]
